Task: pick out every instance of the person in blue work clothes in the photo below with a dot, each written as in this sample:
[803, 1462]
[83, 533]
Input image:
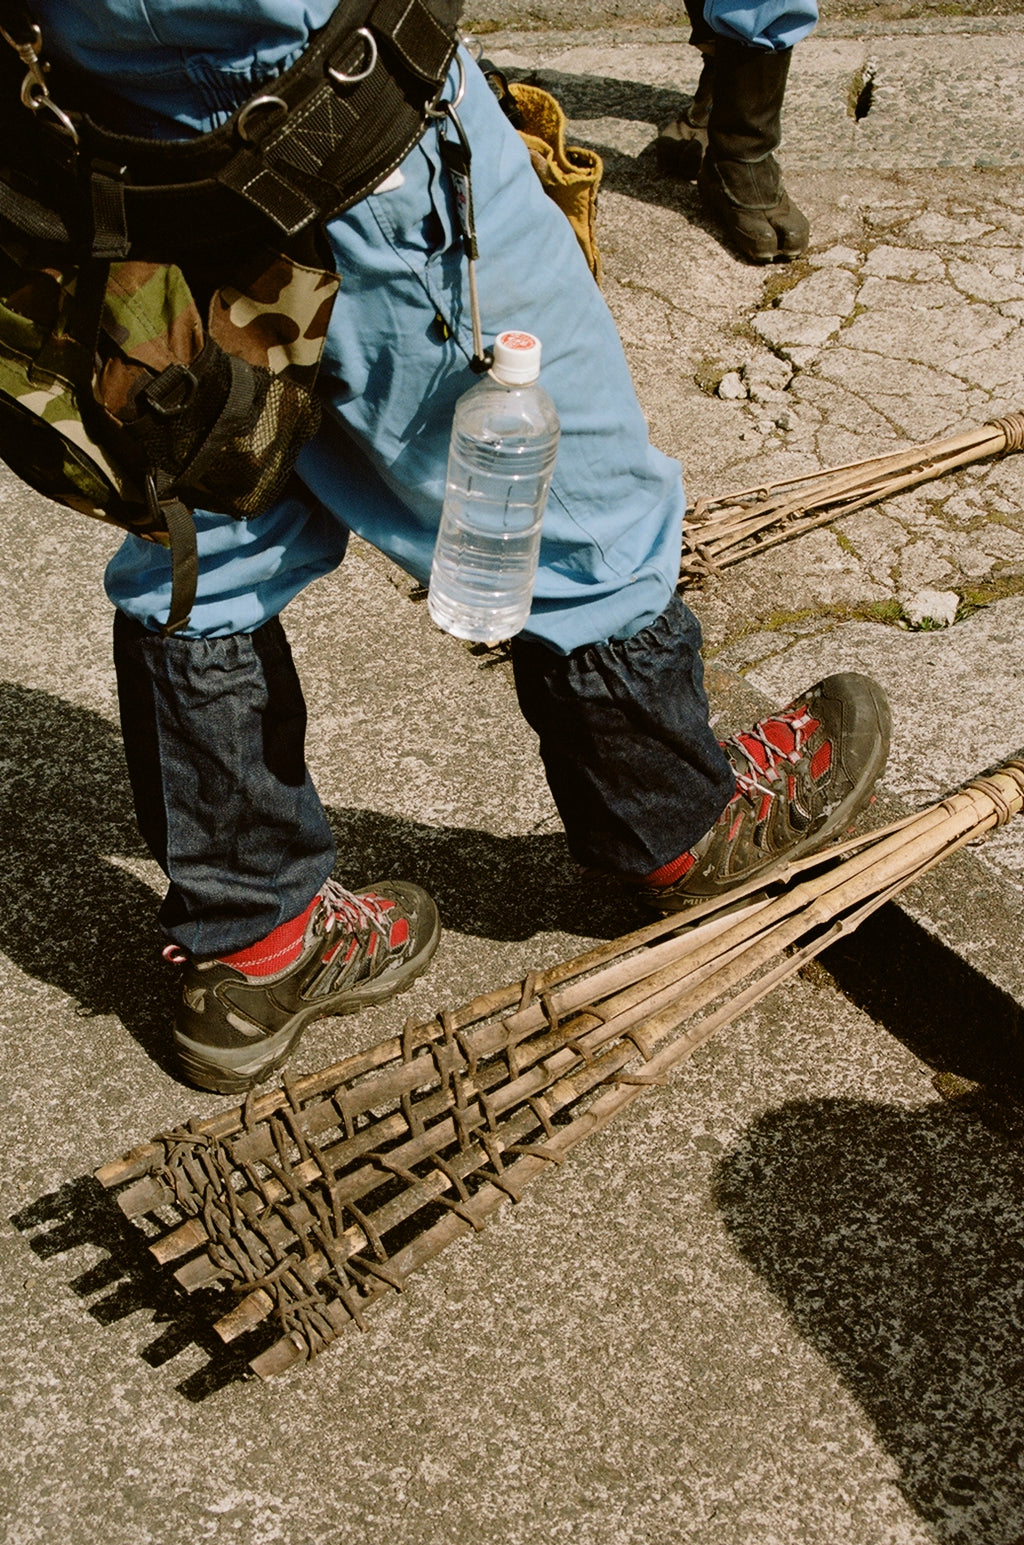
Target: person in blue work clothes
[607, 669]
[727, 137]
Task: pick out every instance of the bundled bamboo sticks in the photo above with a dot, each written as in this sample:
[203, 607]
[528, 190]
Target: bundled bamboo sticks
[311, 1203]
[719, 532]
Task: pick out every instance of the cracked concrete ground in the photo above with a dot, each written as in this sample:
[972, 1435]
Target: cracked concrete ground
[781, 1300]
[891, 344]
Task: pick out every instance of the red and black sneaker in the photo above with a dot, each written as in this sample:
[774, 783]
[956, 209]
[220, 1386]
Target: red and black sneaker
[802, 775]
[239, 1018]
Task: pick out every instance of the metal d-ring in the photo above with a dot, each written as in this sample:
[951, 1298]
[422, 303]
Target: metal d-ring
[439, 109]
[349, 80]
[254, 106]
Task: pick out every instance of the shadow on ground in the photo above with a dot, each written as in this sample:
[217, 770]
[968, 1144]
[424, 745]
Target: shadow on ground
[589, 98]
[895, 1240]
[894, 1237]
[598, 96]
[72, 914]
[951, 1017]
[126, 1282]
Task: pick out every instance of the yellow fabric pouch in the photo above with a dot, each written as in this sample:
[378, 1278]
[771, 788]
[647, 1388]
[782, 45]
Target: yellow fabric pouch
[569, 174]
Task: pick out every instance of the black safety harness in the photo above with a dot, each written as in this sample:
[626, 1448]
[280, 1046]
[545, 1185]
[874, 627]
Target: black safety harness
[304, 148]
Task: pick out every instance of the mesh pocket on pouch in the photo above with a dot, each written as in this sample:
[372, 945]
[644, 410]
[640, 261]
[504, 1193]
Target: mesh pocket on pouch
[260, 422]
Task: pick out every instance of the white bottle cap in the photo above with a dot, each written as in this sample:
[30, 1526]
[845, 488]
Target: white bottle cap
[516, 358]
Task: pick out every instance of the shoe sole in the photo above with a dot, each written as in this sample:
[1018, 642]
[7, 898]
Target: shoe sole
[845, 813]
[238, 1071]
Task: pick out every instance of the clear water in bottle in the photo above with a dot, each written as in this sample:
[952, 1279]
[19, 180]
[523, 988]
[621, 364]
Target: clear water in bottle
[502, 453]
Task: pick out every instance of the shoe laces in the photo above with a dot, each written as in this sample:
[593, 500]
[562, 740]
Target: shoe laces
[355, 913]
[763, 756]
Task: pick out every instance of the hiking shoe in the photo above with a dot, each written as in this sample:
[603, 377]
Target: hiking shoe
[232, 1029]
[802, 775]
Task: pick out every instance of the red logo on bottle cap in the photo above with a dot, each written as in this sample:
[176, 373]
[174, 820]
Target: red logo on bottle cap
[518, 340]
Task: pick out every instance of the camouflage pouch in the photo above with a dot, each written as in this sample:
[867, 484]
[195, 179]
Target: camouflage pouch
[126, 407]
[42, 366]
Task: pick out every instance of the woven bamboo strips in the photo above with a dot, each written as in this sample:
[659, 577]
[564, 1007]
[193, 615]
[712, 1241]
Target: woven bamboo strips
[529, 991]
[312, 1203]
[719, 532]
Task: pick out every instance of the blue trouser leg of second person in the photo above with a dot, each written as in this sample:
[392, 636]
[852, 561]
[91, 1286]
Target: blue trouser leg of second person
[608, 669]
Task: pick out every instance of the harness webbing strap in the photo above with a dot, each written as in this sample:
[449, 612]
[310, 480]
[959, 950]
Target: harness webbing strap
[327, 153]
[181, 528]
[268, 191]
[30, 216]
[418, 37]
[310, 144]
[109, 222]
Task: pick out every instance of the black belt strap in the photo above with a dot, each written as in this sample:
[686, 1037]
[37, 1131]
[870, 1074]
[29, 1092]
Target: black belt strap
[181, 528]
[31, 217]
[338, 143]
[420, 39]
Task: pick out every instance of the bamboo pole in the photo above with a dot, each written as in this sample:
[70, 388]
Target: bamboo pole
[312, 1203]
[720, 532]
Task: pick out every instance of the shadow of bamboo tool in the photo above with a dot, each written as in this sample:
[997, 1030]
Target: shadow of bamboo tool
[721, 532]
[311, 1203]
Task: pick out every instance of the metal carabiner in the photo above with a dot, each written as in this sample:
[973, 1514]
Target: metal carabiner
[35, 93]
[47, 102]
[349, 80]
[28, 53]
[457, 158]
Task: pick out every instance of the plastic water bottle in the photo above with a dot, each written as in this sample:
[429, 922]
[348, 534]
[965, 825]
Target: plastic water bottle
[502, 453]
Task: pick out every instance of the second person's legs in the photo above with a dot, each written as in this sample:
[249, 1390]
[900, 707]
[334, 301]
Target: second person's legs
[727, 137]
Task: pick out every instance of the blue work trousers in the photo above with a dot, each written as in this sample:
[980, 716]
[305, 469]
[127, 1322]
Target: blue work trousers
[213, 718]
[772, 25]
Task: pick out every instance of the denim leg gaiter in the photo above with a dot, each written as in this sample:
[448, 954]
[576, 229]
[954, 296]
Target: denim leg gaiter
[634, 767]
[214, 734]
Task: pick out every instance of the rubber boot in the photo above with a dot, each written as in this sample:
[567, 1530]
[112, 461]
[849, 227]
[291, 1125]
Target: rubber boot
[739, 181]
[681, 144]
